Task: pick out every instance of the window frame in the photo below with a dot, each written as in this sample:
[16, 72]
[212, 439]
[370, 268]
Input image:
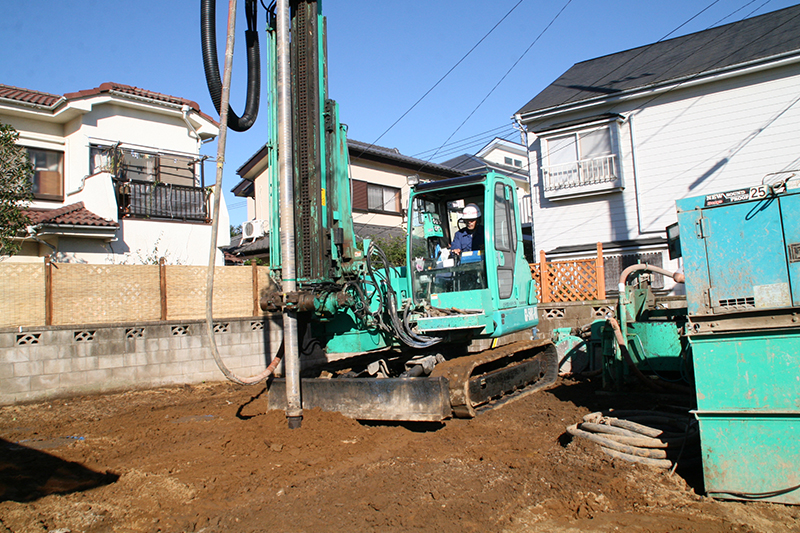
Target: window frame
[609, 164]
[35, 179]
[361, 197]
[160, 171]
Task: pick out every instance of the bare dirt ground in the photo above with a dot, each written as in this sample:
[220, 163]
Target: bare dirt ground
[213, 459]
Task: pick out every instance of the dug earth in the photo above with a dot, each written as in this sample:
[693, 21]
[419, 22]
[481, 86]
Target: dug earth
[212, 459]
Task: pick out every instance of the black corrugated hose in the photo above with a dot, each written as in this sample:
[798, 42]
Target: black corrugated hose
[208, 35]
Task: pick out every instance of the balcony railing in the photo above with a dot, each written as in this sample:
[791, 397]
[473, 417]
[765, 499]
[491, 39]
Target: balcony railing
[583, 173]
[144, 199]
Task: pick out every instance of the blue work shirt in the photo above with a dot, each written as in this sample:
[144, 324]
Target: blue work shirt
[468, 242]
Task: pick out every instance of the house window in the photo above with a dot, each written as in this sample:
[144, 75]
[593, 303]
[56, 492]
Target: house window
[581, 162]
[48, 174]
[135, 165]
[372, 197]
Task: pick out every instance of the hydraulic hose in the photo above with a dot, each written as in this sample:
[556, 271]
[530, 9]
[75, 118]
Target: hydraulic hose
[636, 442]
[212, 253]
[208, 35]
[400, 328]
[644, 267]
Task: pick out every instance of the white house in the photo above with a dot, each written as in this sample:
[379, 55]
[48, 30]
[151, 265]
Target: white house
[616, 140]
[379, 186]
[118, 175]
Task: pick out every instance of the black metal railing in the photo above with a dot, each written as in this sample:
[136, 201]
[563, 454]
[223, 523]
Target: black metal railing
[145, 199]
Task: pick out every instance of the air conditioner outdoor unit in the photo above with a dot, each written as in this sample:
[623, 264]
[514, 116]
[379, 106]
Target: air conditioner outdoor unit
[253, 229]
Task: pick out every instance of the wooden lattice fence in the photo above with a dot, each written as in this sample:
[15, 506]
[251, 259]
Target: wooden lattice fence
[570, 281]
[57, 294]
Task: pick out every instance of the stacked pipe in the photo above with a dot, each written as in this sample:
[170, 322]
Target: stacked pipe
[647, 437]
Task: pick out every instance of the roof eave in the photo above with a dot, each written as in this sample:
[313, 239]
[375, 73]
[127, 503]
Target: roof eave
[106, 233]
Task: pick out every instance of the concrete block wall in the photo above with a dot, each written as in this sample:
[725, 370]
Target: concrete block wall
[578, 314]
[572, 315]
[60, 361]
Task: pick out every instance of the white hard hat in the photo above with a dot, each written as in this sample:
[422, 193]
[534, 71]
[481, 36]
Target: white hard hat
[471, 212]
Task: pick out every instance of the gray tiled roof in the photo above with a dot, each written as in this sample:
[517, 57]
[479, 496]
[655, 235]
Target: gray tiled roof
[731, 46]
[361, 150]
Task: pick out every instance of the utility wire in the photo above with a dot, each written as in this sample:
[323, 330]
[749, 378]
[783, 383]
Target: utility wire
[541, 156]
[469, 147]
[504, 76]
[444, 76]
[373, 143]
[434, 151]
[464, 140]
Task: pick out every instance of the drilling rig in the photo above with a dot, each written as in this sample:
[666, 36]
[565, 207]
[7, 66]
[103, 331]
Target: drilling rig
[437, 337]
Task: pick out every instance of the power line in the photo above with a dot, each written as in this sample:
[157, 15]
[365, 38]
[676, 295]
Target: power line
[478, 140]
[541, 156]
[505, 75]
[464, 140]
[445, 75]
[479, 143]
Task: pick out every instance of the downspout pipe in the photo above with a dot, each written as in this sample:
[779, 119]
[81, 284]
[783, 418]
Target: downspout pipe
[523, 131]
[185, 115]
[294, 407]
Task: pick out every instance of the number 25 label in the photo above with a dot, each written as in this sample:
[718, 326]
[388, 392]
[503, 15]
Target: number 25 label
[758, 192]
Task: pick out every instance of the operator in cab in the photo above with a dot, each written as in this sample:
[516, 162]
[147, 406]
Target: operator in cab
[470, 238]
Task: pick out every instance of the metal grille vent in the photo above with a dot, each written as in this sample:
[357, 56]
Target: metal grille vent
[738, 304]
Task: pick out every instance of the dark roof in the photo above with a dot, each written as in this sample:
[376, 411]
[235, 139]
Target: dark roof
[472, 164]
[372, 152]
[360, 150]
[370, 231]
[133, 91]
[753, 40]
[245, 189]
[253, 247]
[73, 214]
[466, 162]
[253, 160]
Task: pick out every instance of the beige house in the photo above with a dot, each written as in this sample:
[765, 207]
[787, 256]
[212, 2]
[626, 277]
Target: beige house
[379, 186]
[118, 175]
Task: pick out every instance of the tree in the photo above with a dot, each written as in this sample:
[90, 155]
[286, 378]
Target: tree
[16, 193]
[236, 230]
[394, 248]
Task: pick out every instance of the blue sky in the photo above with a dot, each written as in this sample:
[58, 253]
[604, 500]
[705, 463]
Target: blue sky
[382, 57]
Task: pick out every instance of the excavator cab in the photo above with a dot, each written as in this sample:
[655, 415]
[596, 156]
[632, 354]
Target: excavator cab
[435, 268]
[484, 292]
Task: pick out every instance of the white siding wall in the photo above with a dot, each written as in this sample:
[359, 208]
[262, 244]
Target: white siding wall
[688, 142]
[694, 143]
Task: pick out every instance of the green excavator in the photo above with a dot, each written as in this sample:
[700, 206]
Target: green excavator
[447, 334]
